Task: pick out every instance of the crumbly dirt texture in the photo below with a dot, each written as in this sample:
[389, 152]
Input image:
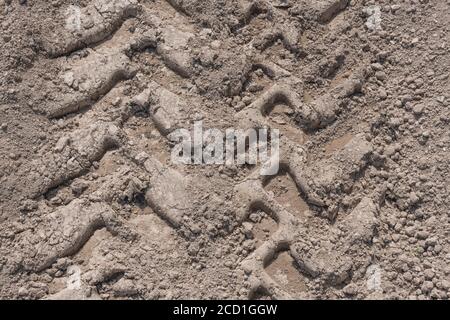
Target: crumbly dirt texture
[91, 206]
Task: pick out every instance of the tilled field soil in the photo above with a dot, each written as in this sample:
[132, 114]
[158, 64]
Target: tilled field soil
[92, 207]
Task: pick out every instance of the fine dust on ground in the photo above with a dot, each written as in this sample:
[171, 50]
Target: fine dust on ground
[92, 207]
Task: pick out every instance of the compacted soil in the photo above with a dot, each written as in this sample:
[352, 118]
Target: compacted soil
[92, 207]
